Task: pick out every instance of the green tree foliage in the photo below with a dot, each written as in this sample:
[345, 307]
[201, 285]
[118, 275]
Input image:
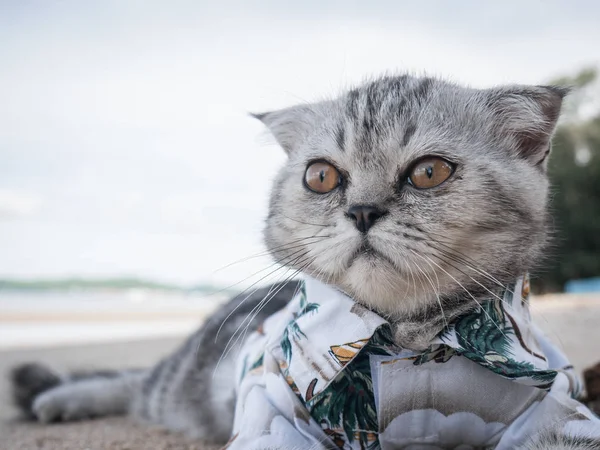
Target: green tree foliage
[574, 171]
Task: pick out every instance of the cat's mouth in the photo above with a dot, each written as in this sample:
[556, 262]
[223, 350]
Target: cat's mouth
[367, 251]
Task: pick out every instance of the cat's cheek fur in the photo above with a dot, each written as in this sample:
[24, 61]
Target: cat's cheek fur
[485, 225]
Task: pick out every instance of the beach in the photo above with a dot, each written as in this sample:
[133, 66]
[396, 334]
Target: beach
[117, 433]
[573, 322]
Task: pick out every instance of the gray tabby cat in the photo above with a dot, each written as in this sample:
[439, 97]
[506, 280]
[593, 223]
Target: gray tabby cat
[417, 256]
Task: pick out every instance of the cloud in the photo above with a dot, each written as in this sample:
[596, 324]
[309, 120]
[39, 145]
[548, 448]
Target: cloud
[131, 119]
[15, 204]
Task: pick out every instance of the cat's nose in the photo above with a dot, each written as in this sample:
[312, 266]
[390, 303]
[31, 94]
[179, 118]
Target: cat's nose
[365, 216]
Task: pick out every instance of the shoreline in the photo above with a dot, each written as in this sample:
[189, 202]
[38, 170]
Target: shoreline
[571, 323]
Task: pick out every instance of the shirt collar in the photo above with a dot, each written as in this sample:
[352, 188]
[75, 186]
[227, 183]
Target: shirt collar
[327, 329]
[324, 329]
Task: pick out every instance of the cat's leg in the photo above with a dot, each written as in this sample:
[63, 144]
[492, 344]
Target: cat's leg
[48, 396]
[191, 390]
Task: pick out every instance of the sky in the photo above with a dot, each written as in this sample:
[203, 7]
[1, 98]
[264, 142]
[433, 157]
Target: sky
[125, 144]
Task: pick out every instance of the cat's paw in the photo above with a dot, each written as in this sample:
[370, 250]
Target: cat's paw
[58, 405]
[29, 381]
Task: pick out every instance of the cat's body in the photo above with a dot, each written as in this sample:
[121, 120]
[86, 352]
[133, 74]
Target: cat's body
[359, 206]
[184, 392]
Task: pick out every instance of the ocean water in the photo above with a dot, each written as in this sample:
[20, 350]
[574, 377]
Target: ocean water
[37, 319]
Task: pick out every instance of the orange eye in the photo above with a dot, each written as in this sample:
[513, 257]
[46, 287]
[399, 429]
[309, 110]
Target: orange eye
[322, 177]
[430, 172]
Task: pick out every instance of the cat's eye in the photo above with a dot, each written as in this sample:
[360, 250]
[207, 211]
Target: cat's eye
[430, 172]
[322, 177]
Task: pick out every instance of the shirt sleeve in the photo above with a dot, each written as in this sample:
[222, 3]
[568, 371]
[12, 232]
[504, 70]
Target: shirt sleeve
[269, 415]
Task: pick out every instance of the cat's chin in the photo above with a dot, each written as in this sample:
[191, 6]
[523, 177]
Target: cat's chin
[375, 282]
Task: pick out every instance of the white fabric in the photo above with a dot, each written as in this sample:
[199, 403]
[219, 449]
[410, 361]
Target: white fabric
[323, 373]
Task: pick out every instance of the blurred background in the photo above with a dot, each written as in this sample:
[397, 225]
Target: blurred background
[131, 177]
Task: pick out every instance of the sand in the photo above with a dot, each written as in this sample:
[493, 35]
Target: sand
[116, 433]
[574, 323]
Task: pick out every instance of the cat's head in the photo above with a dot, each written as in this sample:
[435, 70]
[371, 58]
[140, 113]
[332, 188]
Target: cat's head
[406, 189]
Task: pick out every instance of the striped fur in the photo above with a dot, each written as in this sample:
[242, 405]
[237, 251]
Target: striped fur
[425, 262]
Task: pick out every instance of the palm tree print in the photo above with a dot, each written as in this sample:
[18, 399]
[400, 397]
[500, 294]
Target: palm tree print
[487, 337]
[292, 330]
[255, 366]
[437, 353]
[346, 407]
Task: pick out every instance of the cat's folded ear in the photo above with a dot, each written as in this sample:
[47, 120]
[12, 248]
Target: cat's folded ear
[526, 116]
[289, 126]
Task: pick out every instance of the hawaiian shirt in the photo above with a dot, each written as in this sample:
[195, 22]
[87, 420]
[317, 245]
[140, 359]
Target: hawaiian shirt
[324, 373]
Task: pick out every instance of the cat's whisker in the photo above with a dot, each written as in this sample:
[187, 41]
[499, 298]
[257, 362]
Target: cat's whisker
[435, 273]
[459, 254]
[460, 261]
[407, 261]
[301, 259]
[442, 239]
[532, 306]
[467, 263]
[539, 315]
[305, 223]
[304, 262]
[251, 276]
[295, 241]
[241, 334]
[244, 300]
[320, 272]
[434, 290]
[281, 260]
[420, 282]
[238, 334]
[280, 248]
[412, 277]
[469, 293]
[233, 339]
[263, 303]
[269, 295]
[426, 237]
[467, 275]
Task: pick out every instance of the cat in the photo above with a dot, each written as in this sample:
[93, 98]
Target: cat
[414, 196]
